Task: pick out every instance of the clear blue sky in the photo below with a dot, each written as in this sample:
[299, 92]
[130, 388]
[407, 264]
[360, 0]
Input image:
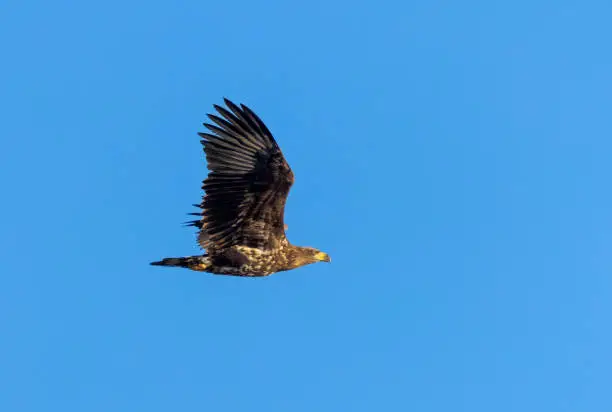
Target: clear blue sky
[454, 159]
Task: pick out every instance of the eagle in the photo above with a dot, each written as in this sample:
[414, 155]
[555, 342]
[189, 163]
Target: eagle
[241, 224]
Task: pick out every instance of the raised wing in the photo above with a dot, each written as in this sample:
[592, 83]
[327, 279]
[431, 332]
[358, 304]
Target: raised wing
[248, 183]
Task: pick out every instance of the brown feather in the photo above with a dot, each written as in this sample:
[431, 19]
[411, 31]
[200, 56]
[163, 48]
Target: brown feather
[248, 183]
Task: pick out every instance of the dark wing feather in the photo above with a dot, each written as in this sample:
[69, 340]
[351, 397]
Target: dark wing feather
[248, 183]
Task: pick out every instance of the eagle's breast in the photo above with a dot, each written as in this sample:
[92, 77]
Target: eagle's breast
[262, 262]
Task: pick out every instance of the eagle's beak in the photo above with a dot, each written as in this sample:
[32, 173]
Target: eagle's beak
[322, 257]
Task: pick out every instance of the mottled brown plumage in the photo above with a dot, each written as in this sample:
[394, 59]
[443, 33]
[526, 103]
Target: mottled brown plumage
[241, 224]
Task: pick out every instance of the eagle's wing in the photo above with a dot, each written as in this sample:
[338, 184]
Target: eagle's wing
[248, 183]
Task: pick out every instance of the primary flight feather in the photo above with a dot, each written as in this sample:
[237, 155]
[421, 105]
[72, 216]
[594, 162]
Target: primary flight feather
[241, 223]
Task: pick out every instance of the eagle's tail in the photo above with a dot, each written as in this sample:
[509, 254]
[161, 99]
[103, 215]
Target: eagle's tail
[199, 263]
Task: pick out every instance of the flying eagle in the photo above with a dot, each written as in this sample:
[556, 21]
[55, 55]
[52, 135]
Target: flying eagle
[241, 224]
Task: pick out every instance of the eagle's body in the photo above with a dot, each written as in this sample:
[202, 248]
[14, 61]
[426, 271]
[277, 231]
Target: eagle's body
[242, 219]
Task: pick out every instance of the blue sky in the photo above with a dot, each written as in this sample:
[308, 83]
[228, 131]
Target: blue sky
[452, 157]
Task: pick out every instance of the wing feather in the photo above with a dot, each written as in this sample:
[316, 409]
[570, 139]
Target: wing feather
[248, 183]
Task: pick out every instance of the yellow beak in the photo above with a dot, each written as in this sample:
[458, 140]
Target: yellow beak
[322, 257]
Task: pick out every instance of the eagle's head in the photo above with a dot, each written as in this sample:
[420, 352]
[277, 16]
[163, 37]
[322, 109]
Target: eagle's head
[312, 255]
